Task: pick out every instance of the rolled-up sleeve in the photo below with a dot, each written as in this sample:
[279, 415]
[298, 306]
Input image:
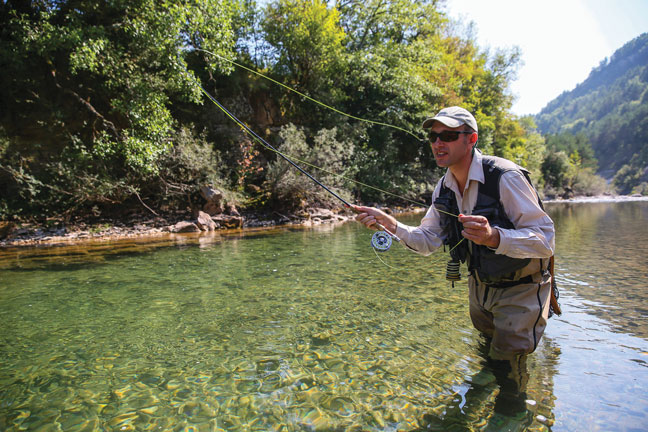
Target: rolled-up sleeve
[425, 238]
[533, 235]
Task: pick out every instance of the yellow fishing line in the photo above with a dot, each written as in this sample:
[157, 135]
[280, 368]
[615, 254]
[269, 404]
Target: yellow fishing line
[235, 120]
[310, 98]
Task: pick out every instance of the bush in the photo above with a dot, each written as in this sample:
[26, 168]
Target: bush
[641, 189]
[589, 184]
[626, 179]
[324, 157]
[555, 170]
[191, 163]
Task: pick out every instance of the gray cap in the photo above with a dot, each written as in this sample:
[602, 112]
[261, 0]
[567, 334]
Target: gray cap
[452, 117]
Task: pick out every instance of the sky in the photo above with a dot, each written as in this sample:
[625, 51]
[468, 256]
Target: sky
[560, 40]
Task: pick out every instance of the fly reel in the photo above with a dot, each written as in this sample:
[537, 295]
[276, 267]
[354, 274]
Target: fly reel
[381, 241]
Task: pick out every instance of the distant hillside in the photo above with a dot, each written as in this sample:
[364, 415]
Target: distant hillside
[610, 107]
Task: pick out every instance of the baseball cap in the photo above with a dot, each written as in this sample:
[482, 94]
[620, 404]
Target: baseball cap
[452, 117]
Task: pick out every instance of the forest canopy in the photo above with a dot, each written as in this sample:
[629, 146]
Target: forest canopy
[102, 108]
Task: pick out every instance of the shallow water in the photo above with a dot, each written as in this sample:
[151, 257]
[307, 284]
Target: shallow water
[306, 329]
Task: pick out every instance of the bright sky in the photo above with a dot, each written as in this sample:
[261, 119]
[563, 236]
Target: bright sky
[561, 40]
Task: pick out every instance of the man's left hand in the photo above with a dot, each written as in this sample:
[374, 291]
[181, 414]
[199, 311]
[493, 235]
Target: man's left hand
[479, 231]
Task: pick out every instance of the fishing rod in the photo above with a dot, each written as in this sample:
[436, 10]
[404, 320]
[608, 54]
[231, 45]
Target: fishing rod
[381, 240]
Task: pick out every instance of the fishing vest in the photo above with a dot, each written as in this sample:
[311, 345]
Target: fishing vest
[490, 268]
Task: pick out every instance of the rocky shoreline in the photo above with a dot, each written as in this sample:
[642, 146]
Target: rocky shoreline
[143, 225]
[27, 234]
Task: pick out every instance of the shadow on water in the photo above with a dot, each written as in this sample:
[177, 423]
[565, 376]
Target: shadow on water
[304, 329]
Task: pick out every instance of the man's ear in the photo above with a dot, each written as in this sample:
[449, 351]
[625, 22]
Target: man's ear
[473, 138]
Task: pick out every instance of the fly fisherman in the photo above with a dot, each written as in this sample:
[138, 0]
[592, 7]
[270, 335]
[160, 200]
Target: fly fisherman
[503, 234]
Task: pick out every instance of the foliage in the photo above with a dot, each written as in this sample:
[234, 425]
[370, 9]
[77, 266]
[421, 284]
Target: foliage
[192, 162]
[587, 183]
[101, 106]
[641, 189]
[627, 178]
[289, 187]
[557, 170]
[86, 91]
[570, 164]
[577, 146]
[308, 40]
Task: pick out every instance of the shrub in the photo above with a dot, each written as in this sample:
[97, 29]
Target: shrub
[324, 157]
[641, 189]
[191, 163]
[589, 184]
[627, 178]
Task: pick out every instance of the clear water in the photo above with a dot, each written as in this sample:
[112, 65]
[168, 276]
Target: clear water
[306, 329]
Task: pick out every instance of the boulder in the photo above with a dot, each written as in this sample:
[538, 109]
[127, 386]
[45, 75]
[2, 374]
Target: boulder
[213, 209]
[231, 209]
[321, 213]
[228, 221]
[205, 222]
[214, 199]
[184, 227]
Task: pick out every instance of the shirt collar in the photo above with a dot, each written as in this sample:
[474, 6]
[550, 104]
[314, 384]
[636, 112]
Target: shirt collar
[476, 172]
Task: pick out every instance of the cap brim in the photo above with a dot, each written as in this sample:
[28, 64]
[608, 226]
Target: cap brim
[450, 122]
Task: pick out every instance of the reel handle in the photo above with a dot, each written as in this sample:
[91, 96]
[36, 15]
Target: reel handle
[391, 234]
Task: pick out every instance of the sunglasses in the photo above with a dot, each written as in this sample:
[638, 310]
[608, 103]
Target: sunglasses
[446, 136]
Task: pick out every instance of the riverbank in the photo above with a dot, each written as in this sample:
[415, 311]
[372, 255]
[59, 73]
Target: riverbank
[143, 225]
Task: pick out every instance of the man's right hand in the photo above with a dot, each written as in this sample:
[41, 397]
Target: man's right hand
[370, 216]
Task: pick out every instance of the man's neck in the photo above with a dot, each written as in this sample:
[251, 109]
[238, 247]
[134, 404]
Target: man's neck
[460, 172]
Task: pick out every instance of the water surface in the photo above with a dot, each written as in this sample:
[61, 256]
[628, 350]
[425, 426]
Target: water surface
[306, 329]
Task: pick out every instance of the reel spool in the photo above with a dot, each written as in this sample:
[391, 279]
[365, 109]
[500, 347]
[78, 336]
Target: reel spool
[381, 241]
[452, 271]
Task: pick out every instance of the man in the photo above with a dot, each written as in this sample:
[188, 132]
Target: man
[486, 210]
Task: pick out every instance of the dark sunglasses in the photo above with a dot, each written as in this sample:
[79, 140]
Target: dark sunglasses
[446, 136]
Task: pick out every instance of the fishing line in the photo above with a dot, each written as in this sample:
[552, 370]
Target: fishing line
[284, 156]
[381, 240]
[310, 98]
[330, 108]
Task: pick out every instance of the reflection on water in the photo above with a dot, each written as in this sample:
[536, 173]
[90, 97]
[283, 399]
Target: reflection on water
[308, 330]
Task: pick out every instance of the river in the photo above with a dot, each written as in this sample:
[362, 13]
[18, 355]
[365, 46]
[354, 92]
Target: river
[301, 329]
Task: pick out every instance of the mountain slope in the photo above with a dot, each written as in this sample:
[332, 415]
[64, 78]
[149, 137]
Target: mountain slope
[610, 107]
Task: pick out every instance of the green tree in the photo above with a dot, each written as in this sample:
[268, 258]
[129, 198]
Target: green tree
[556, 170]
[308, 39]
[86, 92]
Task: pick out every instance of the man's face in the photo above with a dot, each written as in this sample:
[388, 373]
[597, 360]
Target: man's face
[449, 153]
